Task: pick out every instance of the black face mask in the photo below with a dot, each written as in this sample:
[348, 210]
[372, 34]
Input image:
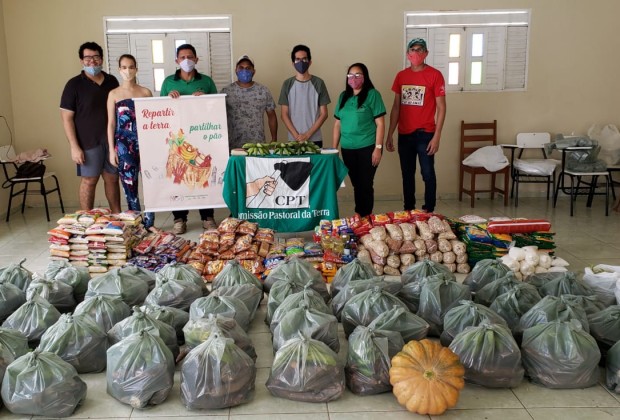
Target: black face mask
[302, 66]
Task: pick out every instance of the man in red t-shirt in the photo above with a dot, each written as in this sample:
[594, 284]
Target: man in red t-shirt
[419, 111]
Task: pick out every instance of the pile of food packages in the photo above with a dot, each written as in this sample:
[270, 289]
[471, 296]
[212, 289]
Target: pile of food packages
[96, 239]
[501, 323]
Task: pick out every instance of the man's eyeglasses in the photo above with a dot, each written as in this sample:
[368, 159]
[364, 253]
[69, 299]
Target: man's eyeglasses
[91, 58]
[304, 60]
[417, 50]
[354, 75]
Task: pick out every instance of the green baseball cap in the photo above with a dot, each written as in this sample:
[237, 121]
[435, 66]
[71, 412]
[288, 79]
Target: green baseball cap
[417, 41]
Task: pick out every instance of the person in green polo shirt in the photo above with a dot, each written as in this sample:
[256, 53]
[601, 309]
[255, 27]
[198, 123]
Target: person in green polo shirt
[359, 129]
[187, 81]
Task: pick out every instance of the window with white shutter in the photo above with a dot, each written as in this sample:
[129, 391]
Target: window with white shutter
[153, 41]
[476, 50]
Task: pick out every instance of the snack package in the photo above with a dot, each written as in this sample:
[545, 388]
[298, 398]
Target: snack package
[306, 370]
[24, 391]
[217, 374]
[140, 369]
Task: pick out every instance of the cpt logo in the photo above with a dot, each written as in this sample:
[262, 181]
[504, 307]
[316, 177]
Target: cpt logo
[273, 183]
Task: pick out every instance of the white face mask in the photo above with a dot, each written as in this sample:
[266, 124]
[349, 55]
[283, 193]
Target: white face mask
[128, 74]
[187, 65]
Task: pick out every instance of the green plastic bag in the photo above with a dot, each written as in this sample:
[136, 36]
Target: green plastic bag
[490, 355]
[366, 306]
[197, 331]
[15, 273]
[105, 310]
[367, 371]
[140, 369]
[484, 272]
[311, 322]
[42, 384]
[32, 319]
[560, 354]
[228, 306]
[306, 370]
[355, 270]
[11, 298]
[406, 323]
[612, 369]
[217, 374]
[78, 340]
[232, 274]
[438, 295]
[466, 314]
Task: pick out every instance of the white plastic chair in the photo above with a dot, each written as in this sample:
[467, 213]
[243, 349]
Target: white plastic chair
[528, 170]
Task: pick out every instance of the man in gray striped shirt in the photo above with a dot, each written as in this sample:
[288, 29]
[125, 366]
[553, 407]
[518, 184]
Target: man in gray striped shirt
[304, 100]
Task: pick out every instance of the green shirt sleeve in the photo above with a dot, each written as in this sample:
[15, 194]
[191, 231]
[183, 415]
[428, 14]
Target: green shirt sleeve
[375, 103]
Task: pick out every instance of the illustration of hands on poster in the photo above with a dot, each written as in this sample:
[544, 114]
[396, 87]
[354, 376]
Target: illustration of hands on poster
[183, 151]
[277, 183]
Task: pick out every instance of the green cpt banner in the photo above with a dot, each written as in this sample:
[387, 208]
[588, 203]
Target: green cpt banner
[284, 193]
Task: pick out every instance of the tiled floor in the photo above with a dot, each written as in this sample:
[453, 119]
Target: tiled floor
[586, 239]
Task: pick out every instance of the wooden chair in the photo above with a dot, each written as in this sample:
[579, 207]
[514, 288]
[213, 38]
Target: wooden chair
[7, 154]
[473, 137]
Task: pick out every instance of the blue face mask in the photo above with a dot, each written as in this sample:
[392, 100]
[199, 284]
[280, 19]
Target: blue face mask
[93, 71]
[302, 66]
[245, 76]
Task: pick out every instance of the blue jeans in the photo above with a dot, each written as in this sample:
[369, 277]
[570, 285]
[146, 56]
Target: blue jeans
[411, 147]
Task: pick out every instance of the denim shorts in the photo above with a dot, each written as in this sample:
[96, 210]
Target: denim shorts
[95, 162]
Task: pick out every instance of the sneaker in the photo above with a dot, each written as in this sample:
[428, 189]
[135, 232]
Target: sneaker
[209, 224]
[179, 227]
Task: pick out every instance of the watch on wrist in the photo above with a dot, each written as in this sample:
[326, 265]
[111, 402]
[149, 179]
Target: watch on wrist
[378, 146]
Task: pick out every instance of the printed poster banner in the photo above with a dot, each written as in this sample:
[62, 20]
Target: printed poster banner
[285, 193]
[278, 183]
[183, 151]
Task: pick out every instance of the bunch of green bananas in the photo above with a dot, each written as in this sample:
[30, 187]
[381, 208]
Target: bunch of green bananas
[307, 148]
[256, 149]
[284, 149]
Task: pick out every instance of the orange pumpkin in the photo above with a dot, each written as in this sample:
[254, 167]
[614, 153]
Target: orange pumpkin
[427, 377]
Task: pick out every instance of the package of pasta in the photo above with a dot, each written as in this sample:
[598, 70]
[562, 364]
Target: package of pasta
[210, 239]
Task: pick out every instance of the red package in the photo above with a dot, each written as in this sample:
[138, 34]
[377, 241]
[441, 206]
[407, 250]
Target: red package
[360, 225]
[399, 216]
[380, 219]
[519, 226]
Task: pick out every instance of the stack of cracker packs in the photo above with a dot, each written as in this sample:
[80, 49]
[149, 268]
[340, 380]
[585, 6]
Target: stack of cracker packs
[95, 238]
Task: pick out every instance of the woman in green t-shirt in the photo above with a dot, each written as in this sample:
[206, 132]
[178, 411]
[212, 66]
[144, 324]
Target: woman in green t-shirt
[359, 129]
